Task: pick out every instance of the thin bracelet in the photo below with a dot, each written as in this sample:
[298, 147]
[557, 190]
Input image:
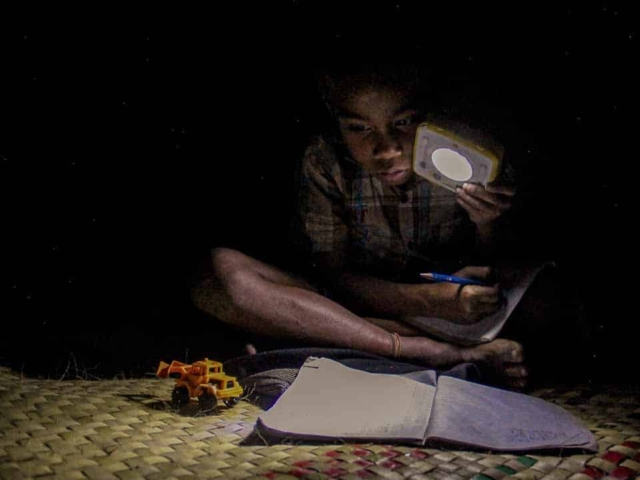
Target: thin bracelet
[397, 344]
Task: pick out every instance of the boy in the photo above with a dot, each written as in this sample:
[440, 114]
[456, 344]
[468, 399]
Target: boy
[366, 225]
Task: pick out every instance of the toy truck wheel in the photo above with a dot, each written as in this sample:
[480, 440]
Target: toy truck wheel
[207, 401]
[230, 402]
[179, 397]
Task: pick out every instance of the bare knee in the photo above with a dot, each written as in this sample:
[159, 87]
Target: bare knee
[236, 280]
[226, 262]
[234, 266]
[226, 278]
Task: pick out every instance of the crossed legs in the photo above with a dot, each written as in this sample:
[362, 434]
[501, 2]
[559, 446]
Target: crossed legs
[265, 300]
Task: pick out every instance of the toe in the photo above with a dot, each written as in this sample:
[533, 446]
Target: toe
[516, 371]
[517, 353]
[517, 384]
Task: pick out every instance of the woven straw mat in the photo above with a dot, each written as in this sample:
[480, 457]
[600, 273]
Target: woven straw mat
[124, 429]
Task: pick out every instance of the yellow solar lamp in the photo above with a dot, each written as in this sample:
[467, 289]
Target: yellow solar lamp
[448, 158]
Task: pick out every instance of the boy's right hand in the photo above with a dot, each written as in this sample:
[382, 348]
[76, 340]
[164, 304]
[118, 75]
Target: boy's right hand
[464, 304]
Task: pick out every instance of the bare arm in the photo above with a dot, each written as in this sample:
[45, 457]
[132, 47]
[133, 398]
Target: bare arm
[377, 297]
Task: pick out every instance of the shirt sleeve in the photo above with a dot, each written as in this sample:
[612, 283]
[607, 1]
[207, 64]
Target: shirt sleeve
[320, 225]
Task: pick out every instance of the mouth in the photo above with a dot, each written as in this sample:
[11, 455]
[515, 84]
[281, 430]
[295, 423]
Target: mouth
[394, 175]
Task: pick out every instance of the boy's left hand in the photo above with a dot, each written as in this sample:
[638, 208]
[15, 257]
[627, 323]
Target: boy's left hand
[485, 204]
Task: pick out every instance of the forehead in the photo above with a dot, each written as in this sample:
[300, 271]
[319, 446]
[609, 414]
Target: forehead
[371, 101]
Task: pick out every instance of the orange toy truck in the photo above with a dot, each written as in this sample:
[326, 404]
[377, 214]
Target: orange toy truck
[204, 380]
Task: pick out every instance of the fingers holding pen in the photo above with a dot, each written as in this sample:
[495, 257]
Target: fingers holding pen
[464, 304]
[475, 272]
[478, 300]
[464, 297]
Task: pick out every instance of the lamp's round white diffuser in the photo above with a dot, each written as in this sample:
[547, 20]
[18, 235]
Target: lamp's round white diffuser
[452, 165]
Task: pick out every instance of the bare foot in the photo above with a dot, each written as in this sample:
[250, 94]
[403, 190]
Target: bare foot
[505, 359]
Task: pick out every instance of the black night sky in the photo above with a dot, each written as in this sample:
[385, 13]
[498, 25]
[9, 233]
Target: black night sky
[126, 153]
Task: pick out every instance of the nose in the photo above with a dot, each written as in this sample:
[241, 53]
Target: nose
[387, 146]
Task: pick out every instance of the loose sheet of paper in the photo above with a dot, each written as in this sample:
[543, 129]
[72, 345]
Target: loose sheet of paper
[473, 414]
[328, 399]
[515, 283]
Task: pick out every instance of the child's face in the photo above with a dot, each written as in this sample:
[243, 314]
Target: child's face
[378, 127]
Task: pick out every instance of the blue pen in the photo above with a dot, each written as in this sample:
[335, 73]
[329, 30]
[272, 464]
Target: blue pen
[439, 277]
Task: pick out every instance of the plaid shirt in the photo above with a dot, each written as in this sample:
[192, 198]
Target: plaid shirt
[347, 218]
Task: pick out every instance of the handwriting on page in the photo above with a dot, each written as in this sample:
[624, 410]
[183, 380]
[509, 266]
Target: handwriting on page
[500, 419]
[520, 435]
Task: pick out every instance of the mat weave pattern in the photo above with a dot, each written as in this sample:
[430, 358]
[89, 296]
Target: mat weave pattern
[124, 430]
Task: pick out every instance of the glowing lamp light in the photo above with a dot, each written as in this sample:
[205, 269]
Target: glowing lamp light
[449, 159]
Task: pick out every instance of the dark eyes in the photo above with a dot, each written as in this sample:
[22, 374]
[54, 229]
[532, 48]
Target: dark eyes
[357, 128]
[403, 122]
[363, 128]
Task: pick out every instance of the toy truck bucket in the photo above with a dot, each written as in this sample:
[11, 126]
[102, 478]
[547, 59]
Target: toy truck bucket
[165, 369]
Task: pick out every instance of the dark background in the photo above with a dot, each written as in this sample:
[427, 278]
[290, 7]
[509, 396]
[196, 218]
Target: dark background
[128, 150]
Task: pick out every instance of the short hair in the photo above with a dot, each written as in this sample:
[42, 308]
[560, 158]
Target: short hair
[338, 82]
[441, 85]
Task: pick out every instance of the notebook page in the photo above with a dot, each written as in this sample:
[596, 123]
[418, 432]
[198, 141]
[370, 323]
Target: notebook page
[328, 399]
[471, 414]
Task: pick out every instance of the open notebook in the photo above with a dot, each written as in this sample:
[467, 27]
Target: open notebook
[329, 401]
[514, 282]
